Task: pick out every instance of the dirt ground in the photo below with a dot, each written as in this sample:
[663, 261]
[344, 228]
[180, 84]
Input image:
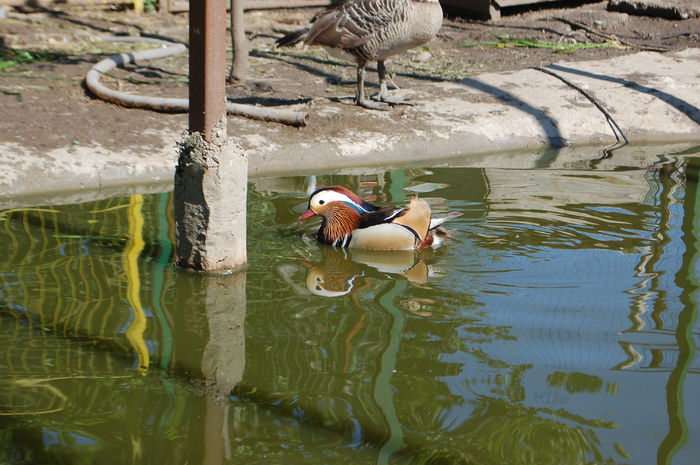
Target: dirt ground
[44, 105]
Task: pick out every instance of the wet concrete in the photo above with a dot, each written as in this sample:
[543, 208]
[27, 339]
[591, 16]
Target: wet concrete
[652, 97]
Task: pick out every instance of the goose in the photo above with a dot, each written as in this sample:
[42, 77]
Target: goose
[371, 30]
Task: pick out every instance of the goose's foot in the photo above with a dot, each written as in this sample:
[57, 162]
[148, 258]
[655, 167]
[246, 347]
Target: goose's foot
[391, 100]
[383, 95]
[372, 105]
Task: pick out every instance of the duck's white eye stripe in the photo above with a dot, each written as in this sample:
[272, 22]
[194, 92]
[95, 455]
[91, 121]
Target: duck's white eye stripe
[331, 196]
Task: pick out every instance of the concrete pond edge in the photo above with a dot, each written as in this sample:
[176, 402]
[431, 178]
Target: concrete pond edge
[652, 97]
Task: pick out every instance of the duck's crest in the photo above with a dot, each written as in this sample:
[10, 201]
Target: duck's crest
[349, 194]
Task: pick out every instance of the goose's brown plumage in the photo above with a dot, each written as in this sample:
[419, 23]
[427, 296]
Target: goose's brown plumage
[369, 30]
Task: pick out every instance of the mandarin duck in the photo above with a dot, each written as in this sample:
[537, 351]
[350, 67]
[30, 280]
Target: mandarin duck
[369, 30]
[349, 221]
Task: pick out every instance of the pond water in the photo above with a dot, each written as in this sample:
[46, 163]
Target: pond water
[558, 325]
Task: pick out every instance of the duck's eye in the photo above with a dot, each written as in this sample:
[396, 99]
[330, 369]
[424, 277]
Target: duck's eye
[321, 202]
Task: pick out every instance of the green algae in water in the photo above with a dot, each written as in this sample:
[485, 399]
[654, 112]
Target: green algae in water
[558, 325]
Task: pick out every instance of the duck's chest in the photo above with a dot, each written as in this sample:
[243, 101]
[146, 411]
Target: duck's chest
[386, 236]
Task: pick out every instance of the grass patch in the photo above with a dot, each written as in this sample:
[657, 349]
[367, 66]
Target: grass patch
[17, 95]
[51, 78]
[505, 41]
[183, 79]
[10, 57]
[150, 5]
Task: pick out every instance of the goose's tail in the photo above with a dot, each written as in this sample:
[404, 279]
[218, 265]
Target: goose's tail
[292, 38]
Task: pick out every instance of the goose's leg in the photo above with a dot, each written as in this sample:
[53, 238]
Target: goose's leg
[381, 72]
[360, 94]
[383, 95]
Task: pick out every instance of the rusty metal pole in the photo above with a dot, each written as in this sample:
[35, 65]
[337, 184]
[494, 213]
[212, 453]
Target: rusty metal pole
[207, 65]
[212, 171]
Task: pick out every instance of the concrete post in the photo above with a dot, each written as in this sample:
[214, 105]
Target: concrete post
[210, 202]
[212, 171]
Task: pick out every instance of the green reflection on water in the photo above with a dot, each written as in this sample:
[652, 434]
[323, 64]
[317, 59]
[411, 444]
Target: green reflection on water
[382, 388]
[687, 279]
[557, 326]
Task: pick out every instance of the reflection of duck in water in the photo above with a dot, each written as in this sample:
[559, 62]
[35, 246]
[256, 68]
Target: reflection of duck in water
[334, 276]
[342, 272]
[345, 272]
[349, 221]
[339, 271]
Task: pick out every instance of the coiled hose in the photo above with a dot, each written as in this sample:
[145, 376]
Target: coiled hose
[174, 105]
